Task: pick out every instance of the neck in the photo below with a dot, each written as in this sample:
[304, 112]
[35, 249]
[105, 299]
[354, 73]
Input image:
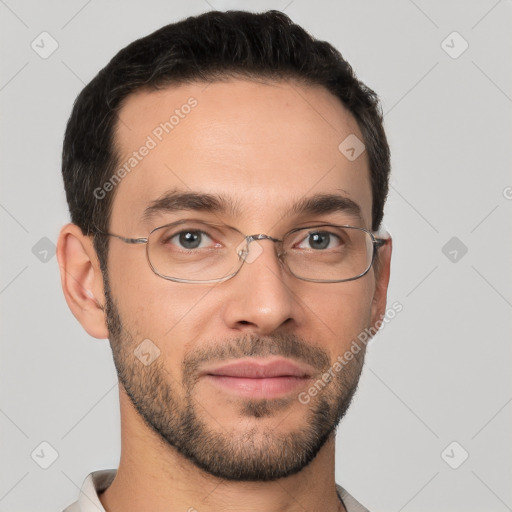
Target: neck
[153, 476]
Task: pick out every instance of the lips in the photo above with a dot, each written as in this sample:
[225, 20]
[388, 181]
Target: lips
[261, 370]
[259, 379]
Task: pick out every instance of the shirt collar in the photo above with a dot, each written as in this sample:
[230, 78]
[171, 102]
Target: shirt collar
[94, 484]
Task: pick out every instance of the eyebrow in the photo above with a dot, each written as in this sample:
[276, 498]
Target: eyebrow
[327, 203]
[176, 201]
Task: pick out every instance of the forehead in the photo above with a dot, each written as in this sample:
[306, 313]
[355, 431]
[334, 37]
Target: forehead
[264, 145]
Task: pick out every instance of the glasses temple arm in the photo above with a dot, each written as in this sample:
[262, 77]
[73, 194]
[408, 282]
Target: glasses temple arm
[127, 240]
[379, 242]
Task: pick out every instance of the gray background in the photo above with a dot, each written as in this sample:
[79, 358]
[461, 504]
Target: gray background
[440, 370]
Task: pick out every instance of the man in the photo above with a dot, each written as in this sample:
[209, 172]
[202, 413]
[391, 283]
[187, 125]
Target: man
[226, 178]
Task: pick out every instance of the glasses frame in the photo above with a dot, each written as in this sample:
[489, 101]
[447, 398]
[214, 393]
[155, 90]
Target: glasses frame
[376, 242]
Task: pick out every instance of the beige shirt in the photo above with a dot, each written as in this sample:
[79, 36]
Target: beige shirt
[98, 481]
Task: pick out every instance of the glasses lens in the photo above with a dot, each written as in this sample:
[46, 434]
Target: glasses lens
[194, 251]
[329, 253]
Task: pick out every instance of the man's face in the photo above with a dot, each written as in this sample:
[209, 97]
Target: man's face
[265, 147]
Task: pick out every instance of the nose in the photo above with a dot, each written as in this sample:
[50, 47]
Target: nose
[260, 297]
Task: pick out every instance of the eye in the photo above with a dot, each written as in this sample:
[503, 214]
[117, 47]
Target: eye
[320, 240]
[190, 239]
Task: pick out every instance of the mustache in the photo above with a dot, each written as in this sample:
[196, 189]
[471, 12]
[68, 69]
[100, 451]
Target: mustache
[284, 345]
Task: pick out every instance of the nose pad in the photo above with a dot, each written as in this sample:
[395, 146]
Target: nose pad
[249, 250]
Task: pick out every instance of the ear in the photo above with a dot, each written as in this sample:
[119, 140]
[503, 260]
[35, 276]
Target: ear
[82, 282]
[382, 272]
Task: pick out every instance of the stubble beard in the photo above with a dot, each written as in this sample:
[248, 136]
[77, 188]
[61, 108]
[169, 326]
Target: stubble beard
[260, 453]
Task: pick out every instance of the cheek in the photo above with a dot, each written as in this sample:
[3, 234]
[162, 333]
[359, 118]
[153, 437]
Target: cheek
[343, 308]
[147, 302]
[169, 314]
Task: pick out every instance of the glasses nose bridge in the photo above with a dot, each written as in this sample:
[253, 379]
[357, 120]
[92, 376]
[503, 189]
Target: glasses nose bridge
[263, 236]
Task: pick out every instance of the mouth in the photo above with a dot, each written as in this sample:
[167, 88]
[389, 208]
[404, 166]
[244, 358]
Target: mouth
[258, 378]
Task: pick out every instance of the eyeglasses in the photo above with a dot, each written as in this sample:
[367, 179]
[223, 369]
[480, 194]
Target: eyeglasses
[192, 251]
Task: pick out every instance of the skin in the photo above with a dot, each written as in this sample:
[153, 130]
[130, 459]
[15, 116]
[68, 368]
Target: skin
[266, 145]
